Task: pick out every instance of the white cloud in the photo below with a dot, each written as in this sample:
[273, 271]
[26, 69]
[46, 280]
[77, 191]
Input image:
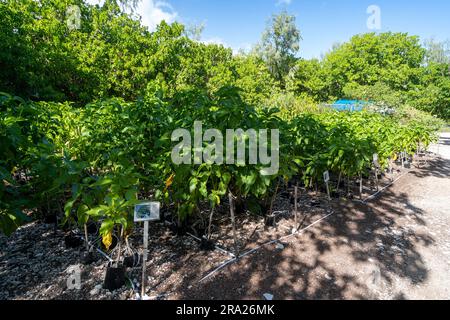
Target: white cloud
[152, 12]
[243, 48]
[215, 40]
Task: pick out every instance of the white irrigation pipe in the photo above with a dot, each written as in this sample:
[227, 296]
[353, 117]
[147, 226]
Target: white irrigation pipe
[104, 254]
[285, 237]
[99, 251]
[384, 188]
[223, 265]
[276, 213]
[226, 263]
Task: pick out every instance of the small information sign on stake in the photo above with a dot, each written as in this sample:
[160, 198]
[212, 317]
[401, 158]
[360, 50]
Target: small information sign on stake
[375, 160]
[145, 212]
[326, 178]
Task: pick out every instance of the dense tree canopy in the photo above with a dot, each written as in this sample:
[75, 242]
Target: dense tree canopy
[110, 55]
[113, 55]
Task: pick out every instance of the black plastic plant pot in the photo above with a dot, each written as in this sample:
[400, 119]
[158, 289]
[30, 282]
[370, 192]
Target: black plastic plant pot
[270, 221]
[88, 258]
[207, 245]
[265, 209]
[131, 261]
[114, 278]
[178, 230]
[199, 231]
[50, 219]
[314, 203]
[73, 241]
[181, 231]
[92, 228]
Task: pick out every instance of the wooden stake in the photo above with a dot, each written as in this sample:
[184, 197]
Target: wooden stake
[376, 177]
[233, 223]
[120, 246]
[339, 181]
[328, 191]
[360, 186]
[348, 185]
[295, 207]
[273, 198]
[86, 240]
[144, 260]
[326, 178]
[210, 222]
[390, 169]
[56, 217]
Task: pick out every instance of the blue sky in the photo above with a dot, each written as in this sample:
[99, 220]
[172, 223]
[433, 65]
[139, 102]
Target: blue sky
[239, 23]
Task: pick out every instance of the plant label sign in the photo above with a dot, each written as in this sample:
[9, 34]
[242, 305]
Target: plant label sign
[147, 211]
[326, 176]
[375, 160]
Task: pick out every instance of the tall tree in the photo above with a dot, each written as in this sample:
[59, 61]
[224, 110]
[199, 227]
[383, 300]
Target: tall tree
[437, 52]
[279, 45]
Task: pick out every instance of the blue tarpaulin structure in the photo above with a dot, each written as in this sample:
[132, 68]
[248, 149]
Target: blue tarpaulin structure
[349, 105]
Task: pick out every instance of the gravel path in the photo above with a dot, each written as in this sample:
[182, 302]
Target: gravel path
[443, 148]
[428, 195]
[396, 247]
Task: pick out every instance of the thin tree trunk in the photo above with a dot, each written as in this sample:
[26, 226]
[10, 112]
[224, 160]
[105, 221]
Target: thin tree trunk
[360, 186]
[120, 246]
[376, 178]
[339, 180]
[233, 224]
[210, 223]
[273, 198]
[86, 239]
[348, 185]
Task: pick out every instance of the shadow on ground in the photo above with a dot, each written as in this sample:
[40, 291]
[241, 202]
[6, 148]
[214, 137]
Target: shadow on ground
[351, 255]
